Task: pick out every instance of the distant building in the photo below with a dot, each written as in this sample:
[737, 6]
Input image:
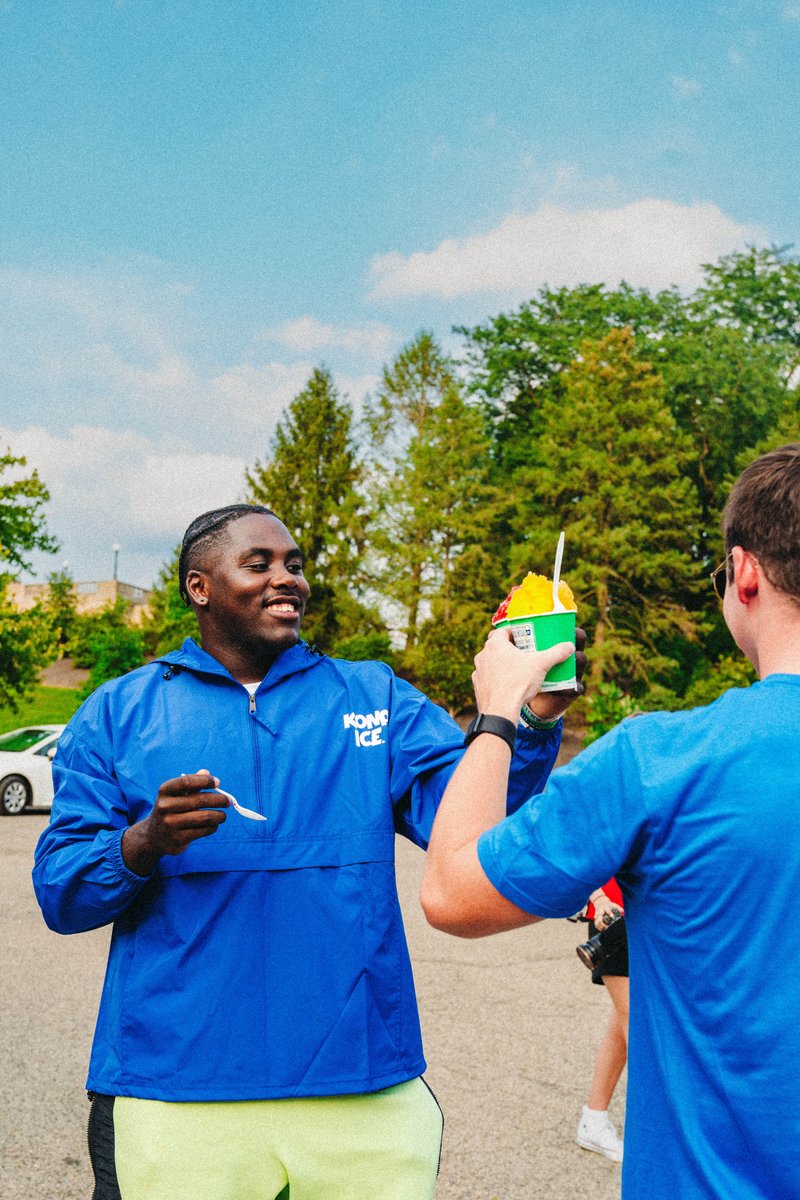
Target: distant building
[91, 596]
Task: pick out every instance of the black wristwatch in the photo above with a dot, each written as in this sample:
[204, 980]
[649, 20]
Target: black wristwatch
[500, 726]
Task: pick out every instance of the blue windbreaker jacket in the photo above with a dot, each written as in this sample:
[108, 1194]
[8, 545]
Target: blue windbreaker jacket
[268, 960]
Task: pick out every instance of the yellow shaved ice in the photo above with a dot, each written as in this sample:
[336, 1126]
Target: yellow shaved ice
[535, 595]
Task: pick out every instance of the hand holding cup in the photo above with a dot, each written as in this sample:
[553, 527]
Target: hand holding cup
[505, 677]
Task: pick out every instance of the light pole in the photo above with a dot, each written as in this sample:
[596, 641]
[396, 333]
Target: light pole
[116, 548]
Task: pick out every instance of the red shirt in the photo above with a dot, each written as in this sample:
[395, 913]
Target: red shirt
[611, 889]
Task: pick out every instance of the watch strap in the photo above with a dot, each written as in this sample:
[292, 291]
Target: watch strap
[487, 723]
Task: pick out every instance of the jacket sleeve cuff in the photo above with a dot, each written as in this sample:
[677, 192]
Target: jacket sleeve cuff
[124, 873]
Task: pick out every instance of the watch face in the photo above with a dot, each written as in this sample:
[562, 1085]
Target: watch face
[485, 723]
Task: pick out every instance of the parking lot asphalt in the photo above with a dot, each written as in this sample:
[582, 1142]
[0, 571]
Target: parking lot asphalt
[510, 1026]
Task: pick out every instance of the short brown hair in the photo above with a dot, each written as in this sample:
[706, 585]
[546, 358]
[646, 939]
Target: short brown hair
[763, 515]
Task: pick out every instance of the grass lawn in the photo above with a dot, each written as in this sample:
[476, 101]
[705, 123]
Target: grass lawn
[49, 706]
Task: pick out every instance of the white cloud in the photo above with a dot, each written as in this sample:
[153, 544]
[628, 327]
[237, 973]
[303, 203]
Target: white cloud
[134, 308]
[357, 387]
[649, 243]
[127, 350]
[791, 12]
[254, 397]
[120, 486]
[137, 410]
[685, 87]
[307, 335]
[735, 57]
[170, 490]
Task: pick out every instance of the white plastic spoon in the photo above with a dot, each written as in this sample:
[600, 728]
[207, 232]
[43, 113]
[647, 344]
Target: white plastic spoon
[240, 808]
[557, 604]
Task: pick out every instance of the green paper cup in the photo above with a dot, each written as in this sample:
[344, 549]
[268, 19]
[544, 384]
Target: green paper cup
[540, 631]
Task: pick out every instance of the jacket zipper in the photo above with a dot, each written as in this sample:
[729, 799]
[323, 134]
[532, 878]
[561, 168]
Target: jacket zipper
[91, 1097]
[256, 754]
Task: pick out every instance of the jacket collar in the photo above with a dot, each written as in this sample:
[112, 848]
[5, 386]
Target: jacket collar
[191, 657]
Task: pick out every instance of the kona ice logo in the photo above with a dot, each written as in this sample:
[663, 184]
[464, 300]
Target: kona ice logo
[367, 727]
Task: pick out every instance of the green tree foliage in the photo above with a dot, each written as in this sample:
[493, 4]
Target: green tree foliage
[107, 644]
[756, 291]
[610, 468]
[311, 480]
[786, 429]
[729, 360]
[442, 659]
[26, 645]
[727, 356]
[714, 678]
[169, 620]
[22, 519]
[517, 359]
[362, 647]
[25, 640]
[606, 706]
[726, 393]
[59, 609]
[397, 421]
[432, 494]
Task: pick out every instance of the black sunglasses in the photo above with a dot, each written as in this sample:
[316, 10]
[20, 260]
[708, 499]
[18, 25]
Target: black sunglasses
[719, 576]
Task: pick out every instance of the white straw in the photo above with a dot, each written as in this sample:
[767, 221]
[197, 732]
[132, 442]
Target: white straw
[557, 605]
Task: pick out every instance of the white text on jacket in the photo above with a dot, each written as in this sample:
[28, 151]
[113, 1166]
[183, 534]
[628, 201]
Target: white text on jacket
[367, 727]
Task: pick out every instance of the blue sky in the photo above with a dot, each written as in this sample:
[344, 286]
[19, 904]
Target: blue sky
[199, 202]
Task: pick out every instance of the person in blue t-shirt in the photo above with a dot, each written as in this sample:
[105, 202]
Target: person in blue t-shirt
[697, 814]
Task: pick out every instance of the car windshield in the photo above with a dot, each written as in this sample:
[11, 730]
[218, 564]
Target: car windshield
[22, 739]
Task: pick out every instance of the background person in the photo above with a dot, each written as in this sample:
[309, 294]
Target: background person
[258, 1024]
[596, 1130]
[692, 812]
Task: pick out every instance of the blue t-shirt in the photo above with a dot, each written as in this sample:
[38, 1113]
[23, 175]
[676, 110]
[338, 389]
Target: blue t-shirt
[697, 814]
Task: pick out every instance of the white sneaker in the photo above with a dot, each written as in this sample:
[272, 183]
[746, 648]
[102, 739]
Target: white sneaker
[595, 1132]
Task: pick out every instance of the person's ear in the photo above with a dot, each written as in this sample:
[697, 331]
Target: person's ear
[197, 587]
[745, 574]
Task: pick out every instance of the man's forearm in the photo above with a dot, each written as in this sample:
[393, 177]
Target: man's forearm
[475, 798]
[456, 894]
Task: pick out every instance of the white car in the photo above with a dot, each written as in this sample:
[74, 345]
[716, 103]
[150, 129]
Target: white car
[26, 772]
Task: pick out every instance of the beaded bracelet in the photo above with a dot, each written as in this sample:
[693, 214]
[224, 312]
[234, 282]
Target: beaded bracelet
[529, 718]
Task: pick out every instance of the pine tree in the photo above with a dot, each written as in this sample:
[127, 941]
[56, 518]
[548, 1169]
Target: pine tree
[610, 469]
[432, 495]
[60, 608]
[310, 480]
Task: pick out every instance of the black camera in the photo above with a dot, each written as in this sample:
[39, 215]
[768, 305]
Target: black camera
[596, 952]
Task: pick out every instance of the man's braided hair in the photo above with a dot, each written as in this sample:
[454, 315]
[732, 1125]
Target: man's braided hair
[206, 532]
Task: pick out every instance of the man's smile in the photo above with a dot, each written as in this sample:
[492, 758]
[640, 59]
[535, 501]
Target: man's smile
[286, 606]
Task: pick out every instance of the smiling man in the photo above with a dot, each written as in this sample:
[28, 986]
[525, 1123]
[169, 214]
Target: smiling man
[258, 1026]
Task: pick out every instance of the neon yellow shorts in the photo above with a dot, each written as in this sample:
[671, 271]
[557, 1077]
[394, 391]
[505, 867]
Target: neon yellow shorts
[376, 1146]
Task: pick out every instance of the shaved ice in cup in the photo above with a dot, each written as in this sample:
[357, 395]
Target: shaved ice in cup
[528, 612]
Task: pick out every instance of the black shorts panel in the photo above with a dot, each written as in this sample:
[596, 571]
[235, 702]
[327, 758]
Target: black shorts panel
[617, 961]
[101, 1148]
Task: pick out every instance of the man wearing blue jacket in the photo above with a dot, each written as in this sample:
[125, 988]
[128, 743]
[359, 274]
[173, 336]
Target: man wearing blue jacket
[258, 1025]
